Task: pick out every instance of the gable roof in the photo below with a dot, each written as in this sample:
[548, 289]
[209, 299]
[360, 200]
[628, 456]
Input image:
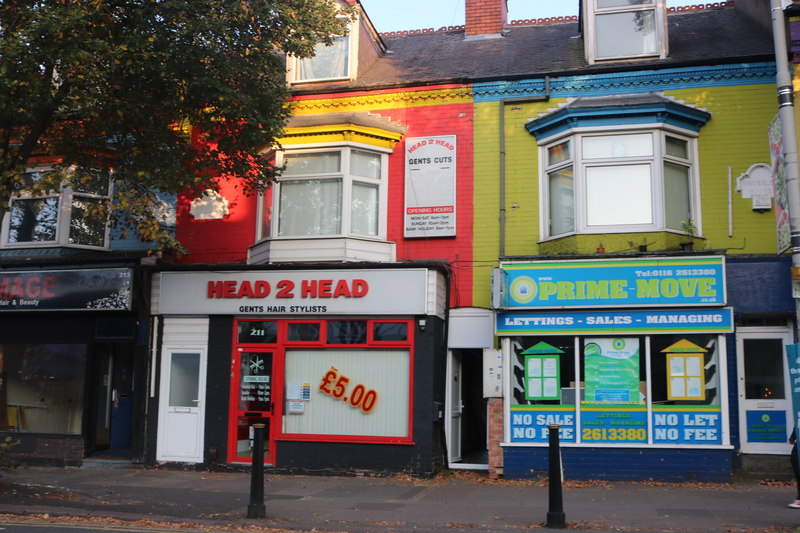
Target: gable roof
[712, 36]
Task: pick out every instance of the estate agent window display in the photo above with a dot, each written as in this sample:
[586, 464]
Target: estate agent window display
[617, 390]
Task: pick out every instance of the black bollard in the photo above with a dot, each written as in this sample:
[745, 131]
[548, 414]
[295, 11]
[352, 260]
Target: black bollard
[555, 512]
[256, 508]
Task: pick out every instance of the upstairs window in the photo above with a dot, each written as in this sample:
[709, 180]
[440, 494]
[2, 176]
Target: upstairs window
[604, 171]
[67, 217]
[618, 182]
[625, 29]
[329, 62]
[331, 192]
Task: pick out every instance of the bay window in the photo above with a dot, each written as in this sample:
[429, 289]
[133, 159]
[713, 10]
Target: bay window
[619, 164]
[601, 183]
[330, 192]
[66, 217]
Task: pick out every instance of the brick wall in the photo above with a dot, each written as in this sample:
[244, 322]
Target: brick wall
[486, 16]
[494, 430]
[623, 464]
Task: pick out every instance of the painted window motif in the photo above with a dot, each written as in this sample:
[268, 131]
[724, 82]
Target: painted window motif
[622, 29]
[685, 362]
[626, 181]
[626, 390]
[542, 372]
[66, 217]
[330, 193]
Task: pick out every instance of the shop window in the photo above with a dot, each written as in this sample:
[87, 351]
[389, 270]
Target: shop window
[347, 332]
[389, 331]
[43, 387]
[542, 367]
[685, 370]
[355, 392]
[629, 390]
[330, 193]
[257, 331]
[636, 181]
[625, 29]
[304, 331]
[323, 380]
[66, 217]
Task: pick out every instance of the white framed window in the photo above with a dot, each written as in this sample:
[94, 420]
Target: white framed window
[332, 62]
[625, 29]
[58, 218]
[337, 191]
[619, 181]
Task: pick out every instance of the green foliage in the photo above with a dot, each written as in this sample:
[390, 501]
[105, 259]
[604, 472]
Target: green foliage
[7, 464]
[170, 93]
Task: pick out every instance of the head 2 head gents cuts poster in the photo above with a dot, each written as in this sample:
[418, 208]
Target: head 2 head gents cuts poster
[430, 187]
[611, 370]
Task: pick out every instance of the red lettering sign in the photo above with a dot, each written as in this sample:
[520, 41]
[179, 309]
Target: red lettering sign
[309, 288]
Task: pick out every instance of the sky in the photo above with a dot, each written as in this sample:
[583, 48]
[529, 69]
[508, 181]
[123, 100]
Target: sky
[395, 15]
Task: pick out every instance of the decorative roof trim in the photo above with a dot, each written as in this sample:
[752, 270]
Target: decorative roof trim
[605, 112]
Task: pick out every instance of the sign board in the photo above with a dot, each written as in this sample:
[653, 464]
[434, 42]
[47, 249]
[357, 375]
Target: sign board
[295, 292]
[66, 290]
[657, 282]
[430, 206]
[616, 322]
[779, 184]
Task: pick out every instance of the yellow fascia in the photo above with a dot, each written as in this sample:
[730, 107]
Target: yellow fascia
[340, 133]
[376, 101]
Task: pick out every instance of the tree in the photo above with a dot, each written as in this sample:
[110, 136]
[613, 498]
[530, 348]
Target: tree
[172, 94]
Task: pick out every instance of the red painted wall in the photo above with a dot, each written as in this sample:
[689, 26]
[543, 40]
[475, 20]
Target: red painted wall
[456, 251]
[227, 240]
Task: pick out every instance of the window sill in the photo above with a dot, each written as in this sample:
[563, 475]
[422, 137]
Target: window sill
[610, 243]
[321, 249]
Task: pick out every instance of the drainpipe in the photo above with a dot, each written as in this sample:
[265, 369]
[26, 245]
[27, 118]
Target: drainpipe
[789, 135]
[503, 102]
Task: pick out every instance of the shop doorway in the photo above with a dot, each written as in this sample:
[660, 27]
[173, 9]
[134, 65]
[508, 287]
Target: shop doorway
[465, 411]
[252, 389]
[111, 401]
[764, 394]
[181, 418]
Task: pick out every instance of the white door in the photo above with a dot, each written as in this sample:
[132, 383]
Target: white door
[454, 407]
[765, 401]
[181, 415]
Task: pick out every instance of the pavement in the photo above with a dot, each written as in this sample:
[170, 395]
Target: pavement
[453, 501]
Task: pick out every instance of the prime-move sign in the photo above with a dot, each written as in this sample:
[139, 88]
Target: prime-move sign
[656, 282]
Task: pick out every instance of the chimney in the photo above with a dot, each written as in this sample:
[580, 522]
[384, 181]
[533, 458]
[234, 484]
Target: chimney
[486, 18]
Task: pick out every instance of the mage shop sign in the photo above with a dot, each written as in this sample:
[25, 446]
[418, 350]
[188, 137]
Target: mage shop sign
[66, 290]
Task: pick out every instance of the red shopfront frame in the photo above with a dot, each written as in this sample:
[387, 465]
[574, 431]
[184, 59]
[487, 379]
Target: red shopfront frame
[260, 392]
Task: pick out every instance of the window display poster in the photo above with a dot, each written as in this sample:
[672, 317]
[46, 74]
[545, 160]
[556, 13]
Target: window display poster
[611, 370]
[766, 426]
[687, 425]
[542, 377]
[531, 424]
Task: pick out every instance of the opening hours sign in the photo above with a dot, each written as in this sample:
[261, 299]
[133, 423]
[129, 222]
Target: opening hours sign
[430, 208]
